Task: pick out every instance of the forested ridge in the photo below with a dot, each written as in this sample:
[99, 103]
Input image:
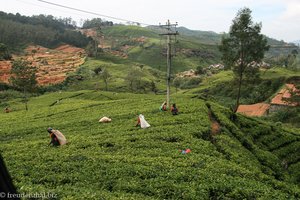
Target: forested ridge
[18, 31]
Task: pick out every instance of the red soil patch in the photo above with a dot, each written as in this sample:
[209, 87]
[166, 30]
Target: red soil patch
[4, 71]
[70, 49]
[215, 127]
[282, 97]
[52, 64]
[258, 109]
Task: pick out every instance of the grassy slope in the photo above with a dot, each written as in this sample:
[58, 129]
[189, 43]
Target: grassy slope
[118, 160]
[221, 87]
[155, 45]
[226, 76]
[118, 68]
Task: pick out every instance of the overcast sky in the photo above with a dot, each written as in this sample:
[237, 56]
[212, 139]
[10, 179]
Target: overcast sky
[280, 18]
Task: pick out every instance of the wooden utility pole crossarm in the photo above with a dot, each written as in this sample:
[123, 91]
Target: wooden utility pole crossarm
[169, 34]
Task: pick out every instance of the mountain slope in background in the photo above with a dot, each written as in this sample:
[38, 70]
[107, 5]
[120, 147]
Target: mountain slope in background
[142, 45]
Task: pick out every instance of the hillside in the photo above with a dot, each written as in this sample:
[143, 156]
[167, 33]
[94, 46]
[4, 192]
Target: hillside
[143, 44]
[18, 31]
[125, 46]
[242, 158]
[222, 88]
[52, 65]
[190, 49]
[145, 80]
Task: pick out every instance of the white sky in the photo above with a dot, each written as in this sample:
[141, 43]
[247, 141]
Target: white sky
[280, 18]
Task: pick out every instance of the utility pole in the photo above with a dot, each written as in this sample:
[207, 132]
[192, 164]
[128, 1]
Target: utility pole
[169, 34]
[97, 39]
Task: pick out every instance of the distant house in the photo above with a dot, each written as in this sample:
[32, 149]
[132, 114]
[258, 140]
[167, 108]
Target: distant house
[281, 100]
[189, 73]
[254, 110]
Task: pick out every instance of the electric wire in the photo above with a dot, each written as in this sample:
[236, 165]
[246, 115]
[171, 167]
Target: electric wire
[94, 13]
[37, 5]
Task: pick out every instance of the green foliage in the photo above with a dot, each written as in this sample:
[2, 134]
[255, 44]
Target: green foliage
[17, 31]
[120, 31]
[120, 161]
[186, 82]
[4, 86]
[244, 46]
[96, 23]
[97, 70]
[225, 92]
[118, 68]
[295, 62]
[287, 115]
[144, 44]
[92, 49]
[247, 159]
[208, 37]
[4, 53]
[134, 79]
[23, 76]
[9, 95]
[105, 76]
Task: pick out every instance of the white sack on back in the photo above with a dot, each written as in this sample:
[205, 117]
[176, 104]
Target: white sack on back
[61, 138]
[105, 120]
[144, 123]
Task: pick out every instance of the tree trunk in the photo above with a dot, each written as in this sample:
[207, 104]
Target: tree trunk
[239, 93]
[25, 100]
[96, 49]
[241, 71]
[106, 89]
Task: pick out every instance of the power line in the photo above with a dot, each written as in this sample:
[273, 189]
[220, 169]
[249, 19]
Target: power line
[93, 13]
[33, 4]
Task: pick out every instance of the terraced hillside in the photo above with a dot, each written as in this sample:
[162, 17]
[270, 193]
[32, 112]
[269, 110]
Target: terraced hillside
[52, 64]
[145, 46]
[242, 158]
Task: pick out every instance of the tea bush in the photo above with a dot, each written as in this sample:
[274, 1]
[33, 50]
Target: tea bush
[120, 161]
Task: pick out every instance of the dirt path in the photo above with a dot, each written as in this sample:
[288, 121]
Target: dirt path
[215, 125]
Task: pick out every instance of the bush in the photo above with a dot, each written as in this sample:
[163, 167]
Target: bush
[10, 94]
[120, 161]
[287, 115]
[186, 83]
[250, 93]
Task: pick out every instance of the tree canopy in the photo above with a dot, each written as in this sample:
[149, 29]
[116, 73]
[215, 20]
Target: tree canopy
[243, 47]
[96, 23]
[4, 53]
[17, 31]
[23, 77]
[105, 76]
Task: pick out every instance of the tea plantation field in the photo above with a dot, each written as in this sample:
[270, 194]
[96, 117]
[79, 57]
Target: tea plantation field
[245, 159]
